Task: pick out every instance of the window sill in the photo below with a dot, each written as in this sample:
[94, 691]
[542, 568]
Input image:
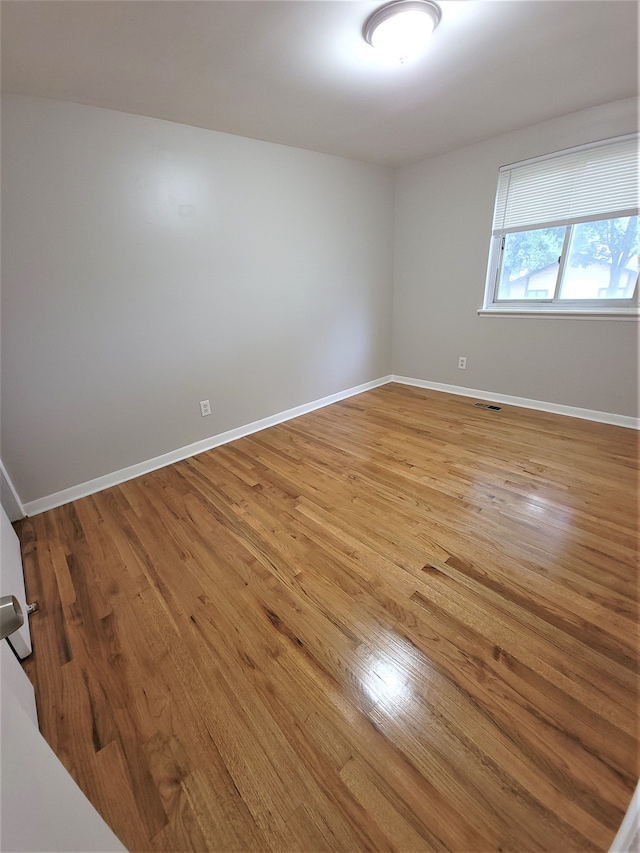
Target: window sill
[567, 313]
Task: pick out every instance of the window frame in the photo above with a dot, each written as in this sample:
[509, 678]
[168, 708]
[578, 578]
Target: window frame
[628, 308]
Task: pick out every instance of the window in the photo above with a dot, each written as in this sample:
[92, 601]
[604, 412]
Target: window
[565, 233]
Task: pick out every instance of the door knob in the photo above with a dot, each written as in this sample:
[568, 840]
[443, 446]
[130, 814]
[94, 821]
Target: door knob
[11, 615]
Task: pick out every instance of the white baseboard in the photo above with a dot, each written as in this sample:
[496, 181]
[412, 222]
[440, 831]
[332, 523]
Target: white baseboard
[525, 403]
[19, 511]
[90, 487]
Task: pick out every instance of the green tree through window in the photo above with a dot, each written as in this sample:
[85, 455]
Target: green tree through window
[610, 241]
[601, 262]
[528, 251]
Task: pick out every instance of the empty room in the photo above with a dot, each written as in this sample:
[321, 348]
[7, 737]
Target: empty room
[319, 374]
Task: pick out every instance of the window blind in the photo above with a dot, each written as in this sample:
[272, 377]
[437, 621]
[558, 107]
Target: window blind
[598, 181]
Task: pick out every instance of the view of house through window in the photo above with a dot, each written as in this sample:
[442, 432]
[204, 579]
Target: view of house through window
[589, 260]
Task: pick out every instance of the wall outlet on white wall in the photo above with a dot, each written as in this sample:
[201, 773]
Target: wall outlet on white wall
[462, 362]
[205, 408]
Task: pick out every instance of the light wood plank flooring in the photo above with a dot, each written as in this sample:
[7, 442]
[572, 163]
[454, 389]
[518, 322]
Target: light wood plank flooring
[399, 623]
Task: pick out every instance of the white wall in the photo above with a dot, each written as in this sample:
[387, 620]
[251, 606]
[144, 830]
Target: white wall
[148, 265]
[444, 211]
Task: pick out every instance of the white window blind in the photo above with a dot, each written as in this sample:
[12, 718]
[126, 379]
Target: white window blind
[595, 181]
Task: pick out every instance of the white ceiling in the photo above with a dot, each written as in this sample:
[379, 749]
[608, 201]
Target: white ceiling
[298, 71]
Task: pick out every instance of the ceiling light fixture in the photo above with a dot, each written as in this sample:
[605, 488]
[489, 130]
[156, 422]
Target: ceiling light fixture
[402, 28]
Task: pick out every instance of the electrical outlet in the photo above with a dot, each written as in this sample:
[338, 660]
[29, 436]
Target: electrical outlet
[462, 362]
[205, 408]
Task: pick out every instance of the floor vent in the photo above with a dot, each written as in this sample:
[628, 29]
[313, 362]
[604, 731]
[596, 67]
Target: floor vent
[488, 406]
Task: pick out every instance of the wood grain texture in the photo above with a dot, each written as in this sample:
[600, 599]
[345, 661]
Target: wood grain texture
[397, 623]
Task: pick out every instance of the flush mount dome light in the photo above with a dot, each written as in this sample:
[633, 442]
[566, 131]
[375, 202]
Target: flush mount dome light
[401, 29]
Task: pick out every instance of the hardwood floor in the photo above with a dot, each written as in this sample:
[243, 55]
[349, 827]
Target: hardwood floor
[397, 623]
